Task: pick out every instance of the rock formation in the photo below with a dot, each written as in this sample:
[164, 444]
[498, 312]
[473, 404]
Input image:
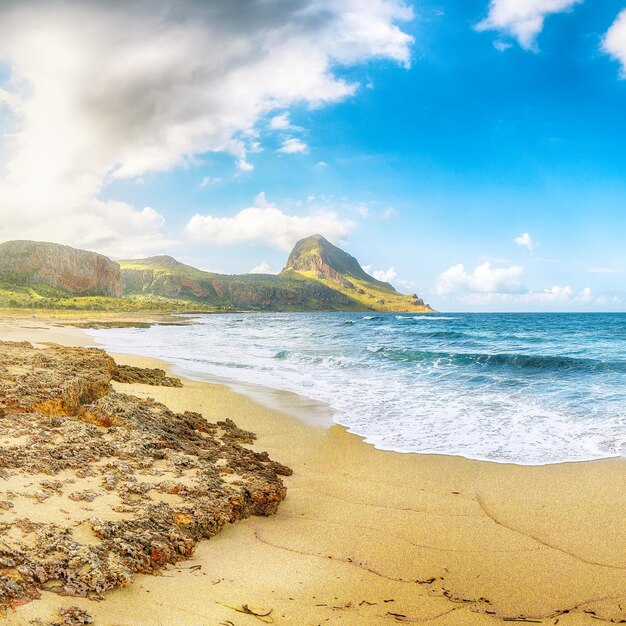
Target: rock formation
[159, 481]
[74, 271]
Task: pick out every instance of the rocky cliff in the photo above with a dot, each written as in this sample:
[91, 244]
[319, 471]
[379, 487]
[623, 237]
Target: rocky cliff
[74, 271]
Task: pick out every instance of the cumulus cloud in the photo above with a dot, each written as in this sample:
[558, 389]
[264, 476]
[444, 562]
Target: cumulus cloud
[614, 42]
[525, 241]
[208, 181]
[522, 19]
[261, 268]
[485, 279]
[115, 89]
[292, 145]
[281, 122]
[386, 276]
[556, 297]
[266, 223]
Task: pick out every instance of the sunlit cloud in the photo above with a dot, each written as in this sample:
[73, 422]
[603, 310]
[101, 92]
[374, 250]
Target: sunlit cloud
[525, 241]
[484, 279]
[266, 223]
[128, 88]
[521, 19]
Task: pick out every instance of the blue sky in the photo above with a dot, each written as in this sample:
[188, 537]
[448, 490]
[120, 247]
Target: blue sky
[447, 147]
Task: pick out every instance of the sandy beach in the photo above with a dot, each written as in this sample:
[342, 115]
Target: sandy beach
[372, 537]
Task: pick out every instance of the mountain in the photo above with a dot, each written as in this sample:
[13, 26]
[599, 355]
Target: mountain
[38, 265]
[164, 277]
[318, 276]
[316, 258]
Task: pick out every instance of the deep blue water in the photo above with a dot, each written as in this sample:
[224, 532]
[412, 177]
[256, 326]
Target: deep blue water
[522, 388]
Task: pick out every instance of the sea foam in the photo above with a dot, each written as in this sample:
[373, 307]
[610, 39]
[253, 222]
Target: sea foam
[524, 388]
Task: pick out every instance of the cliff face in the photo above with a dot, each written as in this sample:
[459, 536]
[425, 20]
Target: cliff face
[75, 271]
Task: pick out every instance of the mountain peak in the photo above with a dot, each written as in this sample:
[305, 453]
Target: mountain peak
[315, 254]
[316, 258]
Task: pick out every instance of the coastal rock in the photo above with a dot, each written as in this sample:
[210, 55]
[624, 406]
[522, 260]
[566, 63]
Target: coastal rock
[145, 376]
[71, 270]
[67, 440]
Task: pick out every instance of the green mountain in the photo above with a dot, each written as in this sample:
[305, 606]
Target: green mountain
[317, 259]
[318, 277]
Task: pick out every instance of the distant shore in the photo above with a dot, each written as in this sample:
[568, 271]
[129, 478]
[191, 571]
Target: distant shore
[368, 537]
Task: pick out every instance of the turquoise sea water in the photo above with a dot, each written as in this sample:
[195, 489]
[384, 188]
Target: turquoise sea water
[521, 388]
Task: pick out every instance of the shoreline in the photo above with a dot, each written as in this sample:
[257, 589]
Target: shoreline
[300, 405]
[449, 540]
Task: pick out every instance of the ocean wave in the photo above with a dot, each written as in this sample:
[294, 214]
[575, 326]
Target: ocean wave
[515, 361]
[427, 318]
[514, 388]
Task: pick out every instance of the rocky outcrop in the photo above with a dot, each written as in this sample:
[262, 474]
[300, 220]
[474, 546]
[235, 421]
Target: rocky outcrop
[145, 376]
[74, 271]
[168, 479]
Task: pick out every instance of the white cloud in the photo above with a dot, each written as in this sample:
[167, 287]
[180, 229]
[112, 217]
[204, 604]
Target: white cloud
[614, 42]
[281, 122]
[525, 241]
[208, 181]
[389, 213]
[108, 90]
[262, 268]
[502, 46]
[386, 276]
[522, 19]
[556, 297]
[293, 146]
[484, 279]
[265, 222]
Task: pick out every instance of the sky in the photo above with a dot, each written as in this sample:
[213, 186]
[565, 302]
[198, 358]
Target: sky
[473, 152]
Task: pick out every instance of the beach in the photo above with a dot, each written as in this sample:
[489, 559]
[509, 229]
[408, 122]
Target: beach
[366, 536]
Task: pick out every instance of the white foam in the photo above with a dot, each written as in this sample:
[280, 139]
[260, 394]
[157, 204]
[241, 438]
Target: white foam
[414, 408]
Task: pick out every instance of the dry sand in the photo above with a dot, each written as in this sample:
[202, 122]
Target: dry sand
[372, 537]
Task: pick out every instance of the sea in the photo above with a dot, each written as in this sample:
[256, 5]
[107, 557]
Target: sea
[512, 388]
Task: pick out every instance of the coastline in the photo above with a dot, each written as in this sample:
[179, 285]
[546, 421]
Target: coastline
[368, 536]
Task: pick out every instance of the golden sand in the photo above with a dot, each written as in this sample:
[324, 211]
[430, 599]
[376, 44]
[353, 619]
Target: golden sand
[372, 537]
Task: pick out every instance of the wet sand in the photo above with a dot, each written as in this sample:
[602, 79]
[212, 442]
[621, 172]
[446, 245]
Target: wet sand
[372, 537]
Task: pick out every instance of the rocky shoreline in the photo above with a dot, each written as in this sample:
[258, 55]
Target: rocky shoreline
[98, 485]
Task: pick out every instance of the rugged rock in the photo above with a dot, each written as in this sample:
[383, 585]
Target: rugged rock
[74, 271]
[68, 442]
[145, 376]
